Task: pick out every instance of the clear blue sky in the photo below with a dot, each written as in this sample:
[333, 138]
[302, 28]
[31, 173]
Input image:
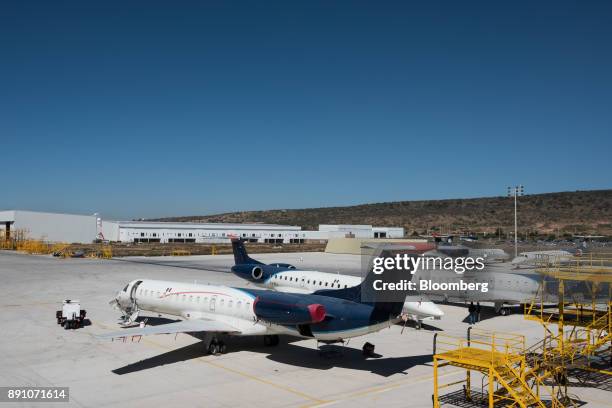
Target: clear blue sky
[143, 109]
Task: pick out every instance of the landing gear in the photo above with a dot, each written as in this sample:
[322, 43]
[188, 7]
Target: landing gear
[222, 348]
[368, 350]
[213, 348]
[213, 345]
[271, 340]
[217, 347]
[501, 310]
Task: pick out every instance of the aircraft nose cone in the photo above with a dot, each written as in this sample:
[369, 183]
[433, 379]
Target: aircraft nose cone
[121, 299]
[431, 309]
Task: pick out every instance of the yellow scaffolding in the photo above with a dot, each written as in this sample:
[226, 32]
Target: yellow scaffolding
[31, 246]
[13, 240]
[106, 252]
[583, 338]
[513, 379]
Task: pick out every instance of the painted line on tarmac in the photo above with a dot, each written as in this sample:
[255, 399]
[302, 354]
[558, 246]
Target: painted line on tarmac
[170, 265]
[315, 402]
[31, 304]
[384, 388]
[246, 375]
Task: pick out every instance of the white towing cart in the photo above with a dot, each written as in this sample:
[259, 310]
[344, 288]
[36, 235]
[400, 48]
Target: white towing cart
[71, 316]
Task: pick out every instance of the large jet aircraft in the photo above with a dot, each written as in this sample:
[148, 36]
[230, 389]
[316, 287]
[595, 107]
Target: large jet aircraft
[328, 316]
[283, 277]
[505, 286]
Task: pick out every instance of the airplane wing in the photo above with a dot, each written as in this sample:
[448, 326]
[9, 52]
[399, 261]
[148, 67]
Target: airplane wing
[184, 326]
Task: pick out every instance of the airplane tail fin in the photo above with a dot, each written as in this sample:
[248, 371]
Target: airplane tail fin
[240, 253]
[384, 301]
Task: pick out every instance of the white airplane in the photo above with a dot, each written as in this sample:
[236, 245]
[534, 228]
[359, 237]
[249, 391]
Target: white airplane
[328, 316]
[286, 278]
[533, 258]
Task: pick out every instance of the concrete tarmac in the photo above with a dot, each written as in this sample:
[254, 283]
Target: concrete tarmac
[174, 370]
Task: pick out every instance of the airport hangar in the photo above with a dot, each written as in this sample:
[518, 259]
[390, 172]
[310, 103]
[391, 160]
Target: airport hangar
[75, 228]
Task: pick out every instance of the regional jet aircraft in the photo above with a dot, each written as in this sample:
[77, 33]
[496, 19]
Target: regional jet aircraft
[283, 277]
[505, 285]
[328, 316]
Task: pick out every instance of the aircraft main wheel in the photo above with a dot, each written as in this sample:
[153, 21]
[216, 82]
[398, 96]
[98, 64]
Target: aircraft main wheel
[213, 348]
[368, 350]
[271, 340]
[504, 311]
[222, 348]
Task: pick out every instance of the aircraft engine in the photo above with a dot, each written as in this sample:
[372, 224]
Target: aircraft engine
[257, 273]
[278, 312]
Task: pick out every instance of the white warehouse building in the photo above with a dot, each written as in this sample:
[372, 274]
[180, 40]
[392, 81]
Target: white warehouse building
[49, 226]
[73, 228]
[195, 232]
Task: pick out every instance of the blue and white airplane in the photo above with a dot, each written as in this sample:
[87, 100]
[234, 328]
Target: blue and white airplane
[283, 277]
[328, 316]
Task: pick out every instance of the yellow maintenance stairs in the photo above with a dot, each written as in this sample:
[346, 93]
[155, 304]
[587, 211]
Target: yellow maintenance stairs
[509, 374]
[574, 305]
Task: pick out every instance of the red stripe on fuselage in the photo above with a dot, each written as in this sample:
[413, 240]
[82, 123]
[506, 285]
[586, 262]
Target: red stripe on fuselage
[189, 293]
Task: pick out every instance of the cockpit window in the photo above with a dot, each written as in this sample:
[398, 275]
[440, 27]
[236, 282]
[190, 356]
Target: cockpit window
[126, 286]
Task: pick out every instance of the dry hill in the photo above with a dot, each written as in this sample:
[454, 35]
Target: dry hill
[551, 213]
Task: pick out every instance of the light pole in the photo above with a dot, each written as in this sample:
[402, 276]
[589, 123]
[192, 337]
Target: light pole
[515, 191]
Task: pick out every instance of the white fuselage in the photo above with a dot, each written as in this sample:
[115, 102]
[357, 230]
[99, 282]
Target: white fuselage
[298, 281]
[504, 285]
[195, 301]
[232, 306]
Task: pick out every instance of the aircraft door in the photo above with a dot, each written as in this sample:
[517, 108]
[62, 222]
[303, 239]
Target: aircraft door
[213, 301]
[133, 291]
[303, 281]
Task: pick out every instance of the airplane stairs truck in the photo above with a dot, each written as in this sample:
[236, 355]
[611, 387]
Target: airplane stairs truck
[329, 316]
[283, 277]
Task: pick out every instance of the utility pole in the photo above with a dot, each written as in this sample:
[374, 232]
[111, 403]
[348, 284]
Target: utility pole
[515, 191]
